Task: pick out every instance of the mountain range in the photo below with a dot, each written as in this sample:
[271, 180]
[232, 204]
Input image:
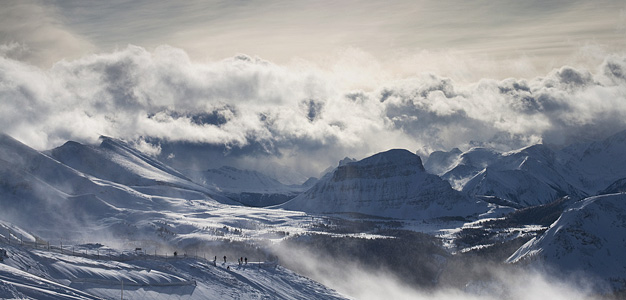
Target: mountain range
[470, 201]
[536, 174]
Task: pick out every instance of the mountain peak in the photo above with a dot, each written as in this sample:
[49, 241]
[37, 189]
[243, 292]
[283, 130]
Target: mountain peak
[346, 160]
[393, 156]
[391, 163]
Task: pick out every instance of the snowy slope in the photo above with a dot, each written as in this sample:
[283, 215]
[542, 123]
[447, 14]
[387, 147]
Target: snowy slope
[80, 272]
[248, 187]
[388, 184]
[589, 237]
[17, 284]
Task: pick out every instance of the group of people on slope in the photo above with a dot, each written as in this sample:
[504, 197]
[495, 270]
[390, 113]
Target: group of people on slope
[240, 261]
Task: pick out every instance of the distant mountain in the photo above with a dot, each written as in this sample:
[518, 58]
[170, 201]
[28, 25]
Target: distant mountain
[536, 174]
[587, 238]
[388, 184]
[458, 168]
[598, 164]
[529, 176]
[440, 162]
[248, 187]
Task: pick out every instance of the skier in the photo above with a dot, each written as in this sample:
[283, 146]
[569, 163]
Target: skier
[175, 253]
[246, 259]
[224, 258]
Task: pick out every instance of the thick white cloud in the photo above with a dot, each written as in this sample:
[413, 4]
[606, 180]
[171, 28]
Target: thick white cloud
[299, 116]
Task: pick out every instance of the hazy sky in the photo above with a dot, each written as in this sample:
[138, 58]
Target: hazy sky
[306, 83]
[545, 33]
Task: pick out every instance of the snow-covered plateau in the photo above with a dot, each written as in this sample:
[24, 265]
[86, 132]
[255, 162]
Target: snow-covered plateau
[108, 221]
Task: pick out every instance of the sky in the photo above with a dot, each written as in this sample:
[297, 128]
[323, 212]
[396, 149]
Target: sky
[303, 84]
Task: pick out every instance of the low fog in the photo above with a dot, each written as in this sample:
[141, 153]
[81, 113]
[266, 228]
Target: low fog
[479, 280]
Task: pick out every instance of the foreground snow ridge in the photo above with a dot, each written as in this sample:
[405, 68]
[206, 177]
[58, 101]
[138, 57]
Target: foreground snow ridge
[30, 273]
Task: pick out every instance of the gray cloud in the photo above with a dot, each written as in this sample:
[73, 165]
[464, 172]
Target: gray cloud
[304, 118]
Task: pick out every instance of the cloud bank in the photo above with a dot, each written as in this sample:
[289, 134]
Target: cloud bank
[299, 115]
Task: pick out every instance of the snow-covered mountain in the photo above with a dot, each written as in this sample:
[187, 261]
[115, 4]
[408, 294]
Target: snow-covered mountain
[529, 176]
[62, 199]
[597, 164]
[116, 161]
[388, 184]
[588, 237]
[536, 174]
[459, 168]
[440, 162]
[248, 187]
